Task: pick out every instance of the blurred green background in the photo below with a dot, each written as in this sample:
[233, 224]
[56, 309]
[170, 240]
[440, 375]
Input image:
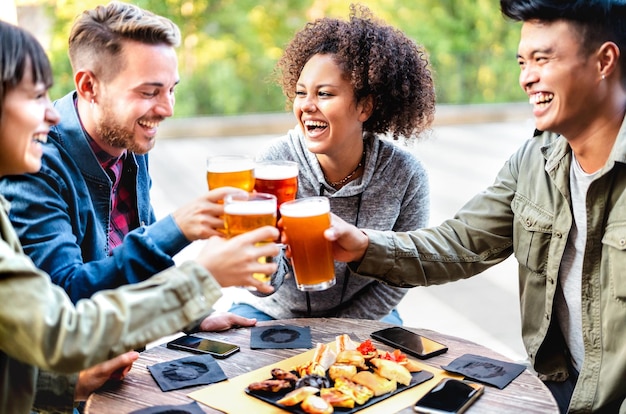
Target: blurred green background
[230, 47]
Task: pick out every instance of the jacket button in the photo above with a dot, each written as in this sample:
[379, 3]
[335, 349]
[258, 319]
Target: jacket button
[558, 234]
[622, 242]
[528, 223]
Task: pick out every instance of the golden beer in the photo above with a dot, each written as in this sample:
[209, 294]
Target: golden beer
[277, 177]
[243, 213]
[304, 222]
[230, 171]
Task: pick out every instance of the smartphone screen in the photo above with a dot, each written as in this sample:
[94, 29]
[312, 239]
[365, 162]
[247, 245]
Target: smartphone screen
[410, 342]
[203, 346]
[449, 396]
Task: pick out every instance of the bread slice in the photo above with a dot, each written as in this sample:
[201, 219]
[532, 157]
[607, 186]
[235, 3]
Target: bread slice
[379, 385]
[391, 370]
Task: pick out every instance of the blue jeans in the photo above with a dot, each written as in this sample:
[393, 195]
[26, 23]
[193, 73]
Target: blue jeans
[562, 391]
[248, 311]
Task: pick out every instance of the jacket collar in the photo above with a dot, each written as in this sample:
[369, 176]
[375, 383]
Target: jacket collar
[556, 148]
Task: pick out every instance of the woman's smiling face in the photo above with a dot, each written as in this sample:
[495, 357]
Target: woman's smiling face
[326, 108]
[27, 115]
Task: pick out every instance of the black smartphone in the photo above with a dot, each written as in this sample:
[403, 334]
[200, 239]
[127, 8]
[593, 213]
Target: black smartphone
[199, 345]
[449, 396]
[410, 342]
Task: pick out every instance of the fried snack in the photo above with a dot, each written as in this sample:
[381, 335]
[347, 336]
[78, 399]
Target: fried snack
[281, 374]
[341, 370]
[351, 357]
[374, 382]
[337, 398]
[270, 386]
[310, 368]
[297, 396]
[359, 393]
[411, 365]
[316, 405]
[391, 370]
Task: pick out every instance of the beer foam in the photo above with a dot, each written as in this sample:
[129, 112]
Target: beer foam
[276, 171]
[305, 208]
[227, 164]
[249, 208]
[231, 167]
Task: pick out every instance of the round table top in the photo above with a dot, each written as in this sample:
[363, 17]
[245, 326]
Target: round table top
[139, 390]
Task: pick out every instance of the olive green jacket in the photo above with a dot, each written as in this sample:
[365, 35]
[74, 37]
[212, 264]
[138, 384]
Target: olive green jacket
[527, 212]
[40, 327]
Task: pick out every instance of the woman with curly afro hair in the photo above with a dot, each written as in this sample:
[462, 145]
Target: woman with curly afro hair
[355, 86]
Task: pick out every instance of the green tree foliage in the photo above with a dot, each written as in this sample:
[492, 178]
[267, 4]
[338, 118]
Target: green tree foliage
[230, 47]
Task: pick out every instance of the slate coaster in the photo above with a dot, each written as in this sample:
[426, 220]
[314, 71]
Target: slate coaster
[193, 408]
[486, 370]
[187, 372]
[280, 337]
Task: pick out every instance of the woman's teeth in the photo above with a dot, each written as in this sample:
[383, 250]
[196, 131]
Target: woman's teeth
[315, 124]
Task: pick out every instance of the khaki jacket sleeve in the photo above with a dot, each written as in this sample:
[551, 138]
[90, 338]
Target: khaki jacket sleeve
[478, 237]
[40, 326]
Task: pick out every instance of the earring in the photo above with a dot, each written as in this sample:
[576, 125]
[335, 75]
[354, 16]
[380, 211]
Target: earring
[92, 103]
[603, 77]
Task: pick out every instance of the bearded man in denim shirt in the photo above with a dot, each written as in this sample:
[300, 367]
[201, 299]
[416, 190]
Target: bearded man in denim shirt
[86, 217]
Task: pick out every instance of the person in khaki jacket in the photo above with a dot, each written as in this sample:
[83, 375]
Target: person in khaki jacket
[40, 327]
[558, 204]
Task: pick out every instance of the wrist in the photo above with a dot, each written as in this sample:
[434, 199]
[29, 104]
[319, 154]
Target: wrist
[364, 242]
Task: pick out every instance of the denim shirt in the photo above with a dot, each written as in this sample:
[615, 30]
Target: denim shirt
[62, 216]
[527, 212]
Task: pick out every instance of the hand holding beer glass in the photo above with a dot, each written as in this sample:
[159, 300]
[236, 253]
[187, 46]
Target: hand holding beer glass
[244, 212]
[304, 223]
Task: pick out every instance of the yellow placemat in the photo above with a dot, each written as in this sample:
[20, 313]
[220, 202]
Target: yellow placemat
[230, 396]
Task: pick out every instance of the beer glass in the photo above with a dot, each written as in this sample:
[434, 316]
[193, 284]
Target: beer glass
[277, 177]
[230, 171]
[304, 223]
[246, 212]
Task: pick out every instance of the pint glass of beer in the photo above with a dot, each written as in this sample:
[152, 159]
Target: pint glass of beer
[304, 223]
[277, 177]
[246, 212]
[230, 171]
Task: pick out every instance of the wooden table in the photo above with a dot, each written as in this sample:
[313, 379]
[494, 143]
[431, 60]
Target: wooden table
[139, 390]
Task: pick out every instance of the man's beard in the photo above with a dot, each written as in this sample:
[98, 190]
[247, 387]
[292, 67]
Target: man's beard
[117, 136]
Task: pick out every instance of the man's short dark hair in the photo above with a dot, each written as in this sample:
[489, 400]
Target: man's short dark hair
[596, 21]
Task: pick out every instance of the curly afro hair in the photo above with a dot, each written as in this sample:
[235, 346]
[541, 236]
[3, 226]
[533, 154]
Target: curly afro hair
[378, 59]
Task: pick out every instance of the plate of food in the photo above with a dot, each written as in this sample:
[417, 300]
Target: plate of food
[345, 379]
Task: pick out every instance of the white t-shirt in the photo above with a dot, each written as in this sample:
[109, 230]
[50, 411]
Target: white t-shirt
[569, 293]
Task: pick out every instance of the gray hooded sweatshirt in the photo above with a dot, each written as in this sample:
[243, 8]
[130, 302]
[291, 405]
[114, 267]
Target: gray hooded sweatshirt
[392, 194]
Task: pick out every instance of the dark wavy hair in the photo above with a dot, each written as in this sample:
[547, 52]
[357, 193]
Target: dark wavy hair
[18, 48]
[596, 21]
[378, 59]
